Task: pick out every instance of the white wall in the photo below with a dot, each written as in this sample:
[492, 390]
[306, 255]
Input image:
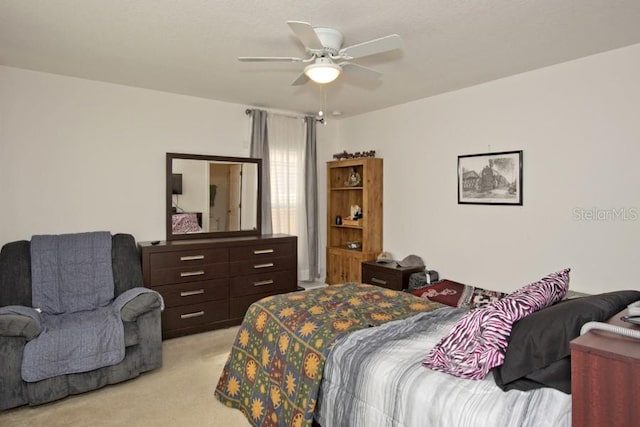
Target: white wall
[579, 126]
[80, 155]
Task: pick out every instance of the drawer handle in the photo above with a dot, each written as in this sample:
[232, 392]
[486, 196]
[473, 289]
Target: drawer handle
[378, 281]
[263, 283]
[263, 251]
[266, 265]
[192, 315]
[192, 273]
[190, 293]
[191, 257]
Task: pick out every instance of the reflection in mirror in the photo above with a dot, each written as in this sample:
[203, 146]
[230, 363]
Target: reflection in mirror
[212, 196]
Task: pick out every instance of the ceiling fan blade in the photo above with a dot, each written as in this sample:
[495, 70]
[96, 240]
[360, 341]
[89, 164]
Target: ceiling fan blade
[269, 59]
[302, 79]
[372, 47]
[359, 71]
[306, 34]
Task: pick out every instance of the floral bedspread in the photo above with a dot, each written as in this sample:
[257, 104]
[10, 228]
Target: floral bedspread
[275, 367]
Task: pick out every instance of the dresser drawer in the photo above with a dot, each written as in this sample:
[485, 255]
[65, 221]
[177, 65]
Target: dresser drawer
[262, 251]
[187, 316]
[263, 282]
[262, 266]
[194, 292]
[165, 276]
[189, 258]
[196, 279]
[382, 276]
[392, 277]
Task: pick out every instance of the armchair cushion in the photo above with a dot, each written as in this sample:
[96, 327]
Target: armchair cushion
[82, 341]
[71, 272]
[137, 301]
[74, 342]
[18, 324]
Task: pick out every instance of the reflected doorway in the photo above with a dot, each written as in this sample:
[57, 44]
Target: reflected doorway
[225, 189]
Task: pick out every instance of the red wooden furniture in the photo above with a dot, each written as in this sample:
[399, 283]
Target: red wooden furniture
[605, 378]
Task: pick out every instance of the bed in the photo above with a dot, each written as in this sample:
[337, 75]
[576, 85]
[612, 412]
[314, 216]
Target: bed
[353, 355]
[186, 222]
[388, 386]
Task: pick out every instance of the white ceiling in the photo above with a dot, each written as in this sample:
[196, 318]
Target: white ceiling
[190, 46]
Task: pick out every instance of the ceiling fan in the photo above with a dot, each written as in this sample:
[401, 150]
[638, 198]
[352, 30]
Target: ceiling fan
[324, 47]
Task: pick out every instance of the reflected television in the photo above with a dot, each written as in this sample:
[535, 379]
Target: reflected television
[176, 183]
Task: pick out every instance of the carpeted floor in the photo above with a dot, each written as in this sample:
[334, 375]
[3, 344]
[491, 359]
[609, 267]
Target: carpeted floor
[178, 394]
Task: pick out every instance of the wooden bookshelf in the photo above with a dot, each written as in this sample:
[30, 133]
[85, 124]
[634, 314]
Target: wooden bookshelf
[343, 263]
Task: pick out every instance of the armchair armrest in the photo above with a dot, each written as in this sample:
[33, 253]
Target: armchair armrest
[20, 321]
[137, 301]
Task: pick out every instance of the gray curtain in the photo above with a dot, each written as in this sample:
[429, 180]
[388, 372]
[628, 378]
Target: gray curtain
[260, 150]
[311, 191]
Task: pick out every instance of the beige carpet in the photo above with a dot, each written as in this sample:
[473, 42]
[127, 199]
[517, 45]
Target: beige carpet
[178, 394]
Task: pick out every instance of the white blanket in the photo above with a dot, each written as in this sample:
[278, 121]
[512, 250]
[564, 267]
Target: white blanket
[374, 377]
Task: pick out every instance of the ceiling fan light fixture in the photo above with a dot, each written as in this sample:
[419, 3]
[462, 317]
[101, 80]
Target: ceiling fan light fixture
[323, 71]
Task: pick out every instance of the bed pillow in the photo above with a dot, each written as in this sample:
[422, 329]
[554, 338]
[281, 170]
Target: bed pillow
[538, 353]
[478, 340]
[456, 294]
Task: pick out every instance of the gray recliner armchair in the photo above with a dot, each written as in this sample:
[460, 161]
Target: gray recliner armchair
[140, 315]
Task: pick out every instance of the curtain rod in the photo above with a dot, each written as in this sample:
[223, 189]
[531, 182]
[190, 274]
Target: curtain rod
[292, 115]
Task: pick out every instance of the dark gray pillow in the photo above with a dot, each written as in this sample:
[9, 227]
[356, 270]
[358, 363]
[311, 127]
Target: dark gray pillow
[538, 352]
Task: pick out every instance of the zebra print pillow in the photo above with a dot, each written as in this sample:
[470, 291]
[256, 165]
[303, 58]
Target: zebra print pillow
[479, 340]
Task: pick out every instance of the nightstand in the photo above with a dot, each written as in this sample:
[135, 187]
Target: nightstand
[389, 275]
[605, 378]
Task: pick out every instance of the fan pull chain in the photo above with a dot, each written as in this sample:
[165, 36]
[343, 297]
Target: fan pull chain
[323, 107]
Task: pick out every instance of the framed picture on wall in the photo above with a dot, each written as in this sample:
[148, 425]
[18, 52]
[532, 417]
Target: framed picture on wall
[490, 178]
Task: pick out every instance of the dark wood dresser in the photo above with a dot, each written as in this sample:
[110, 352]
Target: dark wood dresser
[605, 378]
[389, 276]
[210, 283]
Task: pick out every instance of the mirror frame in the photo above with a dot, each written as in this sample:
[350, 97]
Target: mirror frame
[211, 234]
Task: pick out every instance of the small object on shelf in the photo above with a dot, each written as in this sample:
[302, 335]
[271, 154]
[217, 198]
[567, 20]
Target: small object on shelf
[354, 218]
[357, 155]
[356, 212]
[338, 220]
[354, 179]
[353, 245]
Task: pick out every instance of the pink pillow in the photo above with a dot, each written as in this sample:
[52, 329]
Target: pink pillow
[479, 340]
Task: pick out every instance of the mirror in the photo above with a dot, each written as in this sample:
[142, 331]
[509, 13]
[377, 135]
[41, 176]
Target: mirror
[212, 196]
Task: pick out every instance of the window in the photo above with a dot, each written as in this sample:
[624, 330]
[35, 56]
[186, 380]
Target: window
[286, 156]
